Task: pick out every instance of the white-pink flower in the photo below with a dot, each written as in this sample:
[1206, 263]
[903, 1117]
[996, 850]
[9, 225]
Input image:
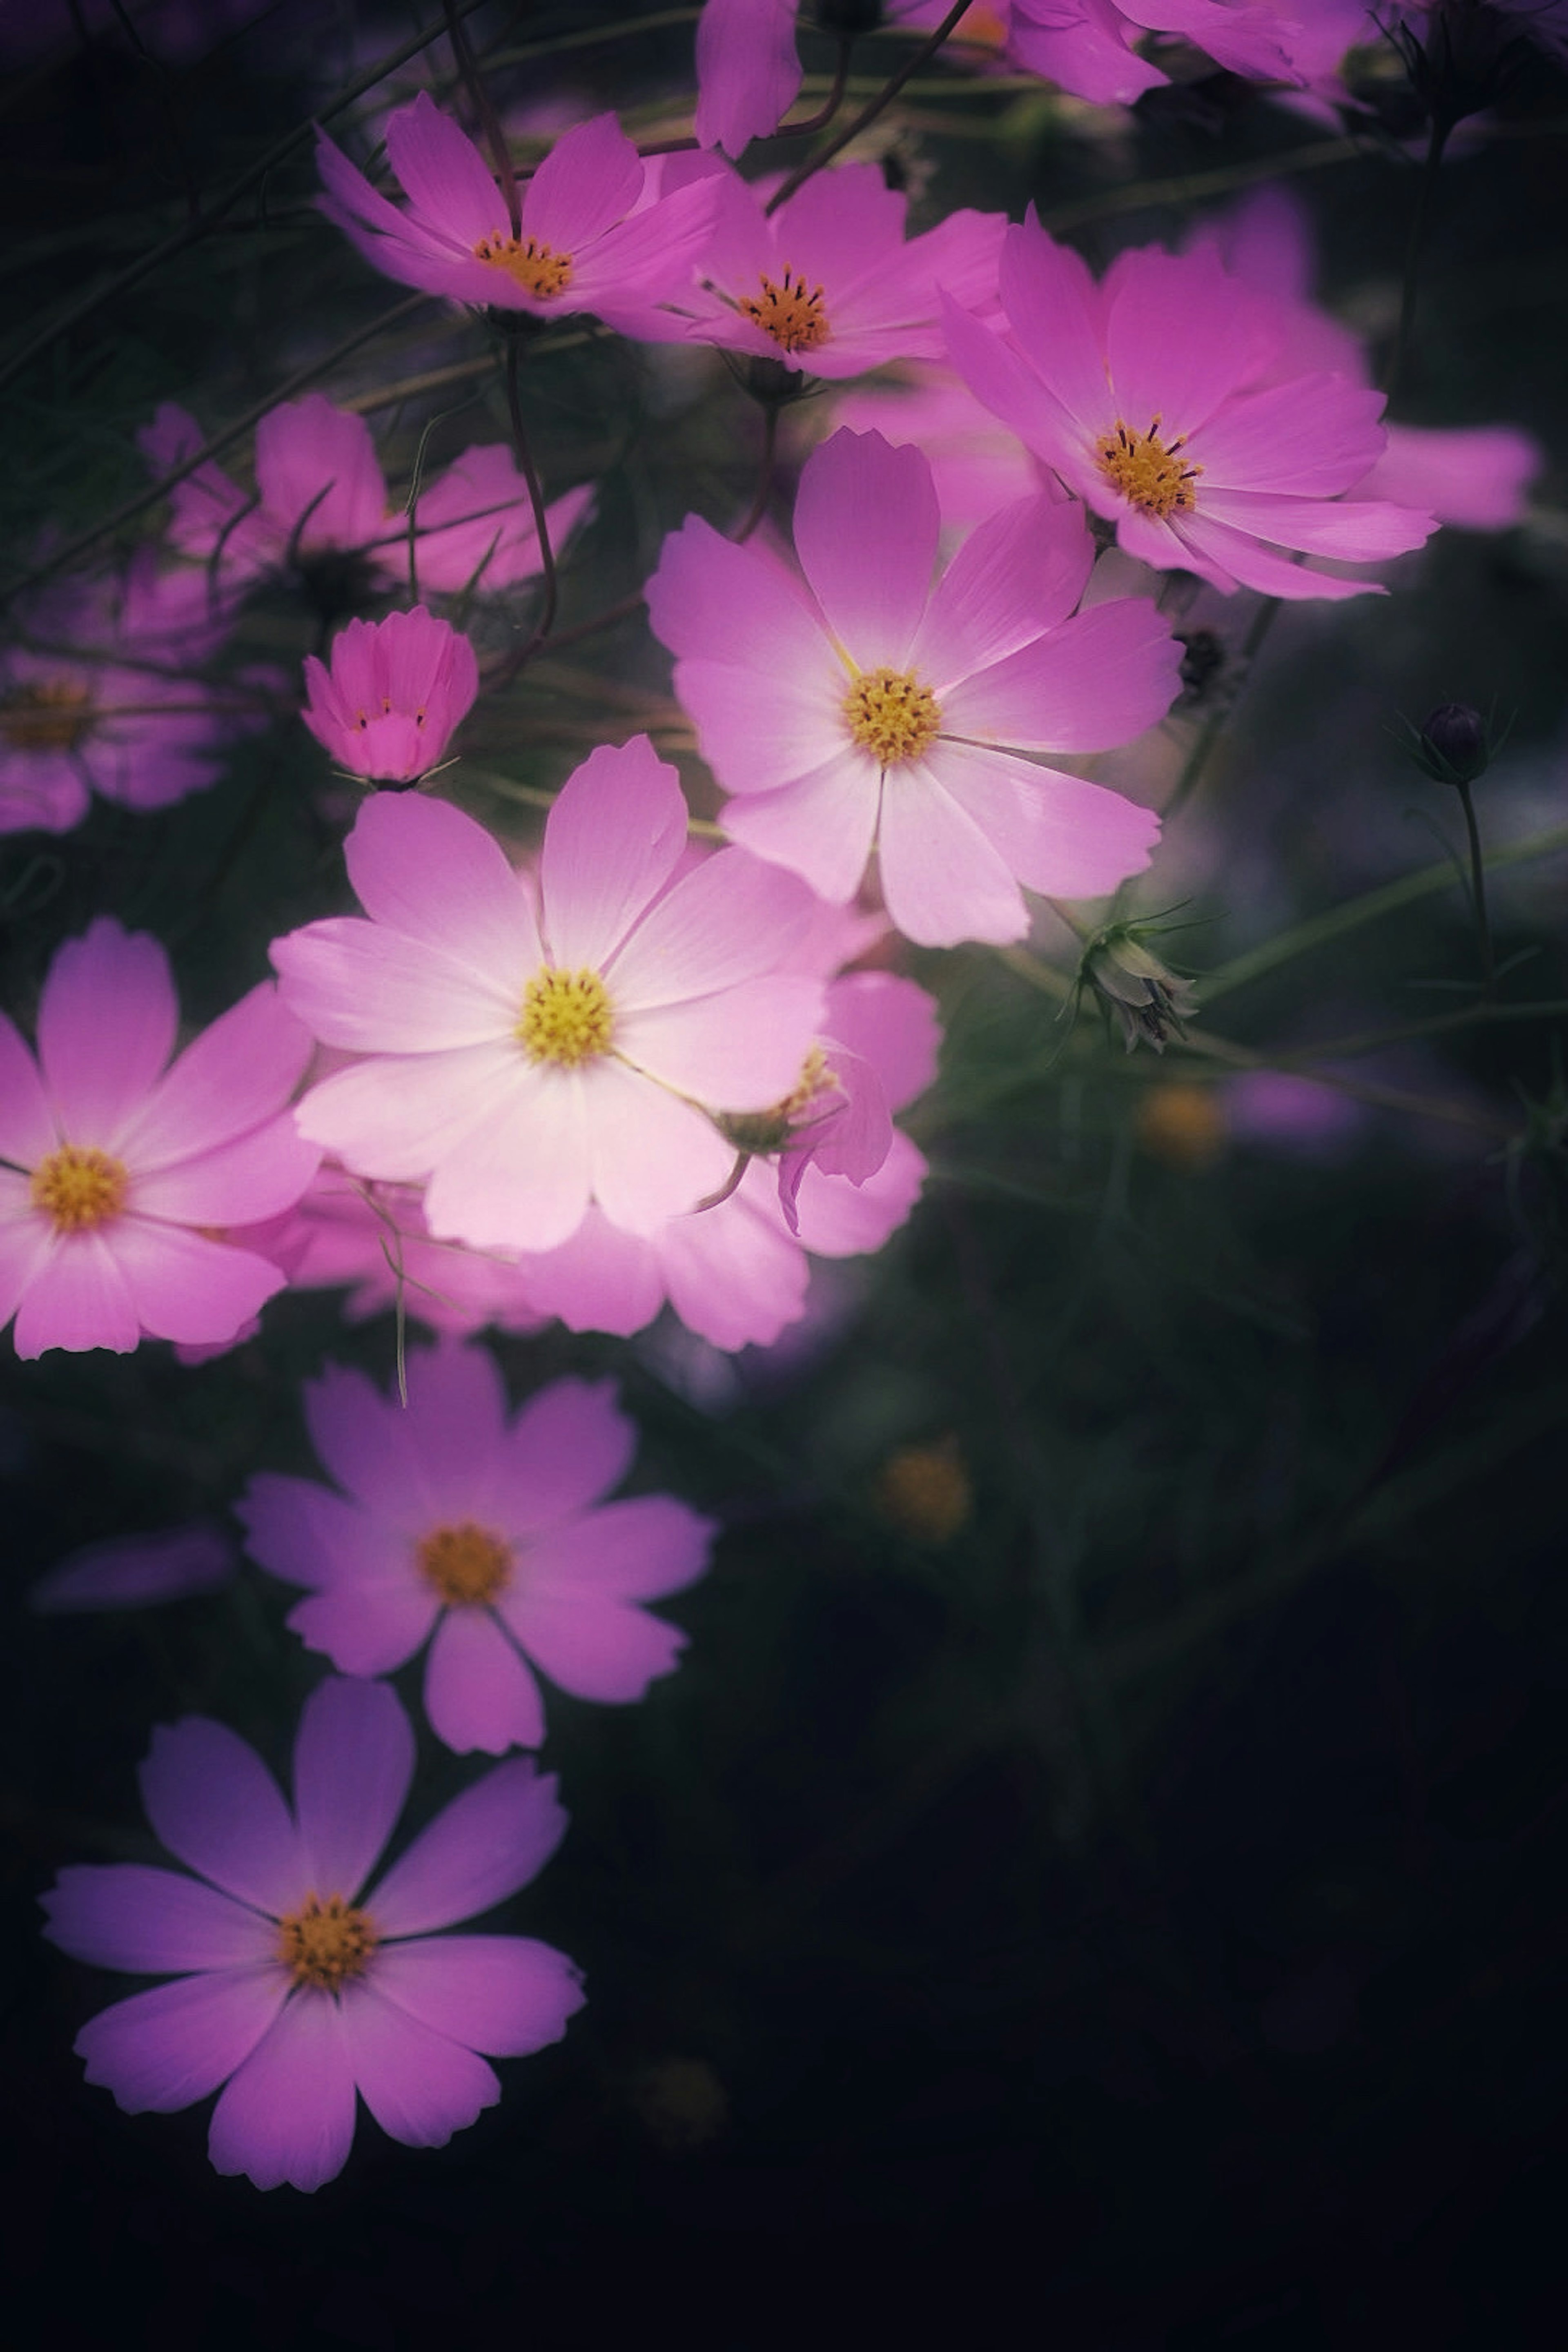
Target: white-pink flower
[529, 1051]
[119, 1166]
[396, 689]
[489, 1533]
[861, 707]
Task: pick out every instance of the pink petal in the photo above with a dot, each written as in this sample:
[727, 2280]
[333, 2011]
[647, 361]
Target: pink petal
[893, 1025]
[105, 1028]
[1180, 335]
[375, 991]
[288, 2113]
[736, 1277]
[591, 178]
[942, 878]
[1311, 437]
[613, 839]
[732, 919]
[402, 1116]
[354, 1759]
[420, 2086]
[244, 1182]
[821, 827]
[866, 530]
[712, 601]
[842, 1220]
[455, 1426]
[478, 1692]
[184, 1288]
[1349, 530]
[1057, 834]
[1055, 310]
[747, 70]
[651, 1156]
[486, 1843]
[758, 733]
[317, 472]
[637, 1550]
[1021, 572]
[361, 1437]
[152, 1922]
[1099, 679]
[27, 1131]
[521, 1177]
[594, 1647]
[743, 1048]
[444, 173]
[76, 1297]
[365, 1629]
[1218, 552]
[136, 1571]
[425, 869]
[26, 1245]
[168, 2048]
[216, 1807]
[600, 1280]
[570, 1444]
[238, 1073]
[505, 1995]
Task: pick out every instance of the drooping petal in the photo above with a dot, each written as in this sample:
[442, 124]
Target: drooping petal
[288, 2113]
[478, 1691]
[153, 1922]
[354, 1759]
[419, 2085]
[505, 1995]
[866, 532]
[215, 1806]
[486, 1843]
[165, 2048]
[105, 1028]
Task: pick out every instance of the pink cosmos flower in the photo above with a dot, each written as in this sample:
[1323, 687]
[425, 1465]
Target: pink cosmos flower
[861, 706]
[1153, 398]
[828, 285]
[586, 240]
[129, 722]
[321, 496]
[136, 1571]
[292, 1987]
[530, 1050]
[748, 74]
[488, 1533]
[976, 465]
[372, 1239]
[116, 1167]
[1093, 48]
[396, 691]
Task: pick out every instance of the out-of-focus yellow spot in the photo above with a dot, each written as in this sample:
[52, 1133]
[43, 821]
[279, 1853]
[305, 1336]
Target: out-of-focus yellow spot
[682, 2103]
[924, 1491]
[1182, 1124]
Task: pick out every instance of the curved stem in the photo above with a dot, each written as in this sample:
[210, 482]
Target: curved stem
[868, 114]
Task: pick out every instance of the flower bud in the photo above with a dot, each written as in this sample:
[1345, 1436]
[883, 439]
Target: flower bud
[1148, 1000]
[395, 691]
[1454, 745]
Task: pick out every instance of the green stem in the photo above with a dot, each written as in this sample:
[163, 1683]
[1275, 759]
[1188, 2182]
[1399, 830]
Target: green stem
[868, 114]
[1214, 726]
[1478, 890]
[1401, 341]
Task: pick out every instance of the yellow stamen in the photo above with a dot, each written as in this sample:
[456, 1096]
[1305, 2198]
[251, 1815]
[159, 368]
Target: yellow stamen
[1148, 471]
[79, 1188]
[48, 715]
[537, 268]
[466, 1565]
[892, 714]
[758, 1132]
[791, 312]
[325, 1943]
[567, 1017]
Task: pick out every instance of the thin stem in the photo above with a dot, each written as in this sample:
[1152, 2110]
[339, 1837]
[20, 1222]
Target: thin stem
[834, 99]
[546, 620]
[759, 506]
[1214, 726]
[868, 114]
[1478, 890]
[1413, 251]
[608, 619]
[489, 120]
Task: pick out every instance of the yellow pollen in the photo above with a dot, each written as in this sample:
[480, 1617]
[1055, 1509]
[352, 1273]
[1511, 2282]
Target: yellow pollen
[52, 715]
[567, 1017]
[536, 268]
[325, 1944]
[890, 714]
[791, 312]
[79, 1188]
[758, 1132]
[466, 1565]
[1148, 471]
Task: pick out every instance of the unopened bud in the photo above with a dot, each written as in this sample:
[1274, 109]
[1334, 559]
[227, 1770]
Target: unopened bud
[1148, 1000]
[1454, 745]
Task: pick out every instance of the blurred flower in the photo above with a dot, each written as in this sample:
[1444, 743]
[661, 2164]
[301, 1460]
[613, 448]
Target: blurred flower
[489, 1533]
[862, 708]
[924, 1491]
[374, 1239]
[1181, 1124]
[295, 1989]
[586, 240]
[396, 691]
[976, 465]
[117, 1168]
[748, 73]
[1153, 398]
[136, 1571]
[530, 1053]
[1303, 1117]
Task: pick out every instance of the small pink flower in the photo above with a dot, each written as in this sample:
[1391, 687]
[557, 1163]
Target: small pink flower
[396, 691]
[862, 707]
[587, 238]
[1153, 398]
[292, 1988]
[490, 1534]
[530, 1052]
[117, 1168]
[828, 285]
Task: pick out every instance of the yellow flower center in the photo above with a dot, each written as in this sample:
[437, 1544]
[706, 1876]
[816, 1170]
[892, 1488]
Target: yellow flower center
[79, 1188]
[567, 1017]
[791, 312]
[48, 715]
[757, 1132]
[467, 1564]
[892, 714]
[537, 268]
[1148, 471]
[325, 1944]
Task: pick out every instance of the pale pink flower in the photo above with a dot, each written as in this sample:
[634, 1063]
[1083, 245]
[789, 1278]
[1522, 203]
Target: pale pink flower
[587, 238]
[396, 689]
[485, 1535]
[118, 1165]
[321, 498]
[128, 723]
[533, 1051]
[1093, 48]
[294, 1986]
[861, 706]
[136, 1571]
[828, 285]
[976, 465]
[1153, 398]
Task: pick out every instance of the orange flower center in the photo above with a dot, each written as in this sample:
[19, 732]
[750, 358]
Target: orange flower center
[892, 714]
[46, 715]
[325, 1943]
[791, 312]
[537, 268]
[79, 1188]
[466, 1565]
[1147, 471]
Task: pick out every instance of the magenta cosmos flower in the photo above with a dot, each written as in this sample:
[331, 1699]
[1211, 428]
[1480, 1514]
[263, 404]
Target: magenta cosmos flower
[487, 1532]
[828, 285]
[862, 707]
[396, 689]
[533, 1050]
[294, 1987]
[1151, 397]
[118, 1166]
[587, 238]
